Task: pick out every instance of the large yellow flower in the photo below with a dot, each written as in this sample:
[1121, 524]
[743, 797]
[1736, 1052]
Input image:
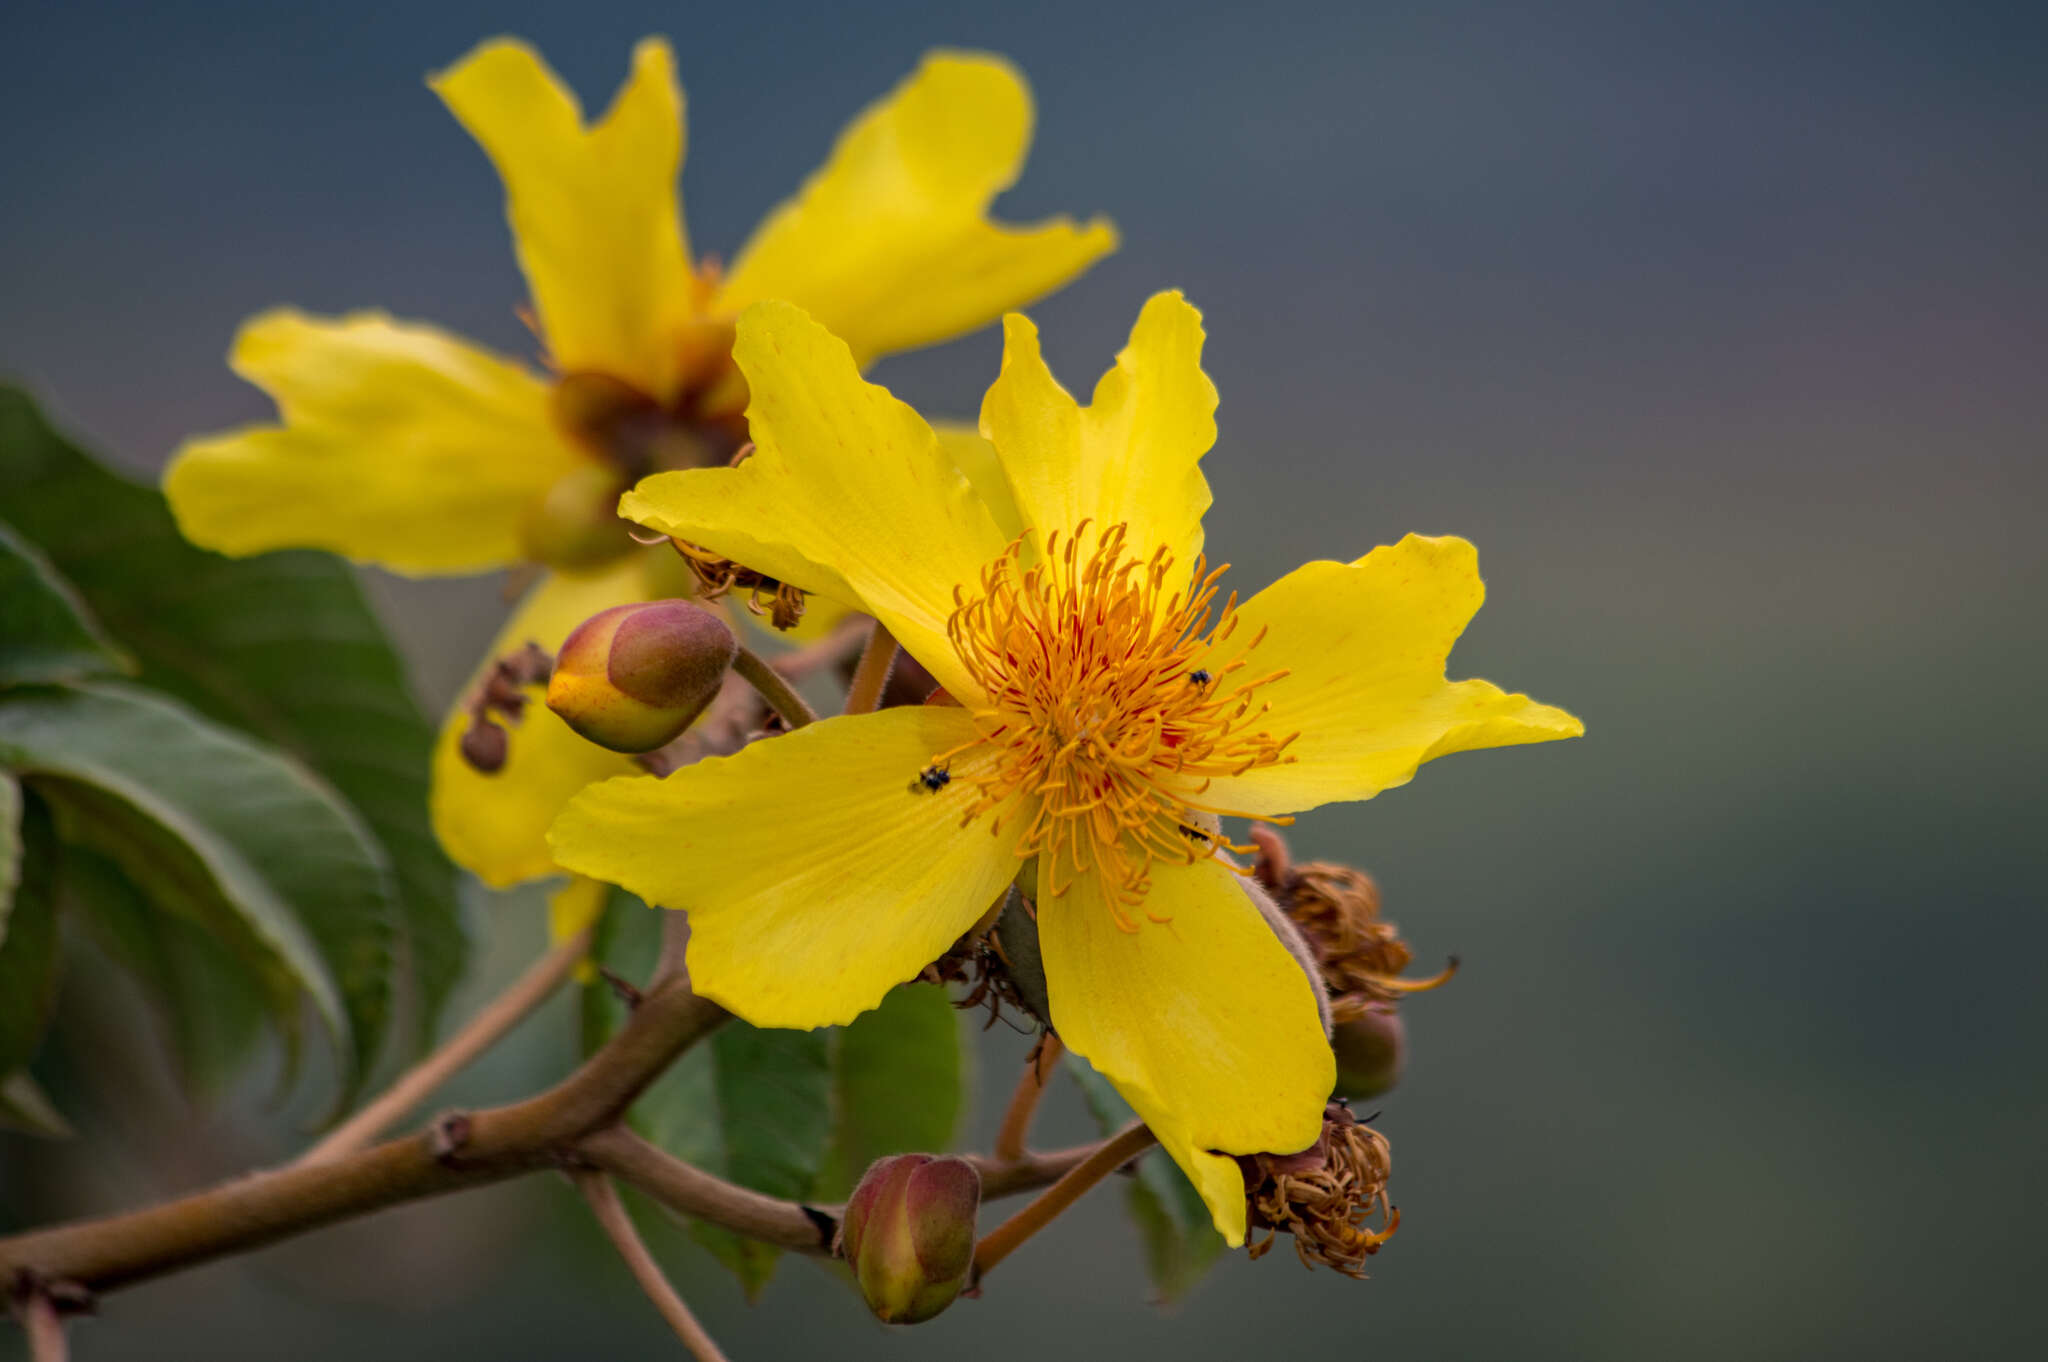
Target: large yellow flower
[1107, 709]
[404, 446]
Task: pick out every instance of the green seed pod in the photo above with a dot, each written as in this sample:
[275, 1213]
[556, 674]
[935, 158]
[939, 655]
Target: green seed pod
[1370, 1052]
[632, 678]
[909, 1234]
[575, 525]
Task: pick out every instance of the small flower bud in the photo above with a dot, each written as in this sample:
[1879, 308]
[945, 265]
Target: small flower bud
[576, 522]
[1370, 1051]
[631, 678]
[908, 1234]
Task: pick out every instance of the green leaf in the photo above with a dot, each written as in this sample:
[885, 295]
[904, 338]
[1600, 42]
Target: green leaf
[751, 1105]
[1179, 1234]
[46, 631]
[766, 1126]
[282, 646]
[898, 1084]
[239, 838]
[25, 1106]
[213, 1007]
[28, 956]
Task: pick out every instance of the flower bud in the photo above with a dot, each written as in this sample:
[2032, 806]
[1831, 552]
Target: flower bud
[1370, 1051]
[576, 522]
[631, 678]
[908, 1234]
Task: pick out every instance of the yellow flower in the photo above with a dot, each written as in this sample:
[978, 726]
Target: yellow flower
[1107, 708]
[401, 445]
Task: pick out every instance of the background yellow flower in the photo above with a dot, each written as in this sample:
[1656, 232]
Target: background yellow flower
[401, 445]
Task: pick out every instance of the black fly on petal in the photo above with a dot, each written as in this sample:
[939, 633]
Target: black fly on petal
[931, 780]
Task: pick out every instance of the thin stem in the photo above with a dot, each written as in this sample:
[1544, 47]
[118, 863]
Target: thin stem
[479, 1034]
[1000, 1242]
[691, 1191]
[1016, 1128]
[694, 1192]
[44, 1327]
[774, 689]
[871, 673]
[611, 1214]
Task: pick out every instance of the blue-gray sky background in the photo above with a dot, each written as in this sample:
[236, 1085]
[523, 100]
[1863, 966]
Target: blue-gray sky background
[1719, 328]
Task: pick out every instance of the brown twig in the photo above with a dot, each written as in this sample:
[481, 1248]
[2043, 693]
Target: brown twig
[611, 1214]
[871, 673]
[1016, 1128]
[456, 1152]
[774, 689]
[44, 1326]
[479, 1034]
[1000, 1242]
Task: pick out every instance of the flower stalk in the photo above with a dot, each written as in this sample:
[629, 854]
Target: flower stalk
[1000, 1242]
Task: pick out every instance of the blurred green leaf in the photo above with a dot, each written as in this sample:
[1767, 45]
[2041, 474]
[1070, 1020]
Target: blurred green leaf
[25, 1106]
[241, 839]
[213, 1009]
[46, 631]
[28, 955]
[282, 646]
[751, 1105]
[898, 1084]
[1180, 1238]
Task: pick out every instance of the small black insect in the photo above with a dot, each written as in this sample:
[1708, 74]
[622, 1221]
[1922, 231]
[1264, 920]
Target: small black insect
[1200, 676]
[932, 779]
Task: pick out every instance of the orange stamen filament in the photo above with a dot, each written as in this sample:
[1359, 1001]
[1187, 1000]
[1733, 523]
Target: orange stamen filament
[1101, 710]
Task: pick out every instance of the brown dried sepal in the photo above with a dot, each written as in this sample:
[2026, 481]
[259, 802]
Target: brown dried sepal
[781, 603]
[1326, 1196]
[1338, 910]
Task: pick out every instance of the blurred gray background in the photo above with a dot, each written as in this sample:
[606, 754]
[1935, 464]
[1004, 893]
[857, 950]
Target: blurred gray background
[1719, 328]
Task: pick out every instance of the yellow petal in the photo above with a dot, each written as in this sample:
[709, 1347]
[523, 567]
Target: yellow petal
[1131, 455]
[496, 825]
[401, 446]
[1364, 645]
[816, 879]
[595, 212]
[890, 245]
[1204, 1023]
[848, 492]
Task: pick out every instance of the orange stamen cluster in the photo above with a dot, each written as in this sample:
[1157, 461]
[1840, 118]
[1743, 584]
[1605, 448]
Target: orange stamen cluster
[1101, 709]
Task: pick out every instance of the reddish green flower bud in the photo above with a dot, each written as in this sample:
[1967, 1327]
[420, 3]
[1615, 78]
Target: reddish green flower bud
[576, 522]
[909, 1234]
[633, 677]
[1370, 1052]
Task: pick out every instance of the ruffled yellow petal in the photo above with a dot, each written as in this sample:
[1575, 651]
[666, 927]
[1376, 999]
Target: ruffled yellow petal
[1364, 645]
[890, 245]
[848, 492]
[400, 445]
[1204, 1023]
[815, 878]
[595, 212]
[1131, 455]
[496, 825]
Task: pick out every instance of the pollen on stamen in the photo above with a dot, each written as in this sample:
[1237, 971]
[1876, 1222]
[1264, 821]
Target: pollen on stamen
[1106, 714]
